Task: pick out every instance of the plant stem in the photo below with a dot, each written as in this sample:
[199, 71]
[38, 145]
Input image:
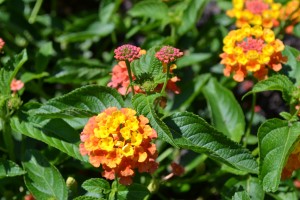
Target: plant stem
[35, 11]
[166, 80]
[7, 137]
[130, 75]
[248, 131]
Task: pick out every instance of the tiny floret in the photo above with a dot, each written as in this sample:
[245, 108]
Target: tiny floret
[168, 54]
[127, 52]
[119, 141]
[16, 85]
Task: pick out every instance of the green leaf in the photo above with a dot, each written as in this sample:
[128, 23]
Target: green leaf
[276, 140]
[29, 130]
[107, 10]
[144, 106]
[134, 191]
[194, 58]
[95, 30]
[10, 169]
[28, 76]
[10, 70]
[43, 56]
[293, 64]
[42, 179]
[243, 195]
[276, 82]
[227, 115]
[191, 14]
[96, 185]
[88, 198]
[193, 133]
[83, 102]
[146, 8]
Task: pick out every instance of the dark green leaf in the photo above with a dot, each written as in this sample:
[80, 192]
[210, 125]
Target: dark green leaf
[276, 140]
[42, 179]
[191, 14]
[144, 106]
[293, 64]
[194, 58]
[83, 102]
[10, 70]
[10, 169]
[276, 82]
[96, 185]
[134, 191]
[147, 8]
[227, 115]
[192, 132]
[28, 76]
[29, 130]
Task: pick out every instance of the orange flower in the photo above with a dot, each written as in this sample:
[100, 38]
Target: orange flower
[120, 141]
[290, 13]
[255, 12]
[16, 85]
[292, 164]
[177, 169]
[251, 49]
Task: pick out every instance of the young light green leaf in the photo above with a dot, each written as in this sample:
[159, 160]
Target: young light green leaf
[276, 140]
[293, 64]
[83, 102]
[10, 169]
[243, 195]
[96, 185]
[146, 8]
[28, 76]
[10, 70]
[276, 82]
[193, 133]
[29, 130]
[144, 106]
[227, 115]
[134, 191]
[191, 14]
[42, 179]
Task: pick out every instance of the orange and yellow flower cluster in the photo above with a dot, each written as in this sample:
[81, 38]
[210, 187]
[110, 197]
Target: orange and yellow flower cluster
[255, 12]
[290, 13]
[251, 49]
[292, 164]
[120, 141]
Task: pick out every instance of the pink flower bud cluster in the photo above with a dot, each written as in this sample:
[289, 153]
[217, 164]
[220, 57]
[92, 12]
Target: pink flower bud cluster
[16, 85]
[2, 43]
[127, 52]
[168, 54]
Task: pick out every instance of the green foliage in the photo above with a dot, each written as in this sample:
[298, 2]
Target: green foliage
[192, 132]
[96, 185]
[43, 179]
[293, 64]
[227, 115]
[276, 139]
[10, 169]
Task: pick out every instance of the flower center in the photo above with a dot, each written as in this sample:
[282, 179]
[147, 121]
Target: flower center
[256, 6]
[252, 44]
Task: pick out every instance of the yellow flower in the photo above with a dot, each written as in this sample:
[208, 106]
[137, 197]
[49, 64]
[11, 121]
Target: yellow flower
[119, 141]
[251, 49]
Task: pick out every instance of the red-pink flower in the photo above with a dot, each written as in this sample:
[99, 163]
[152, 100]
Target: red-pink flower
[177, 169]
[16, 85]
[2, 43]
[168, 54]
[127, 52]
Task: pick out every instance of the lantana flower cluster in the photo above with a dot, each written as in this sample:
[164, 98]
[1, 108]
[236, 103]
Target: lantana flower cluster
[292, 164]
[120, 77]
[251, 49]
[120, 141]
[290, 13]
[255, 12]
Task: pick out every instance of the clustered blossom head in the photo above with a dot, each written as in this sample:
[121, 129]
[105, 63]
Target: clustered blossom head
[255, 12]
[16, 85]
[292, 164]
[120, 141]
[120, 81]
[168, 54]
[2, 43]
[127, 52]
[290, 13]
[252, 49]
